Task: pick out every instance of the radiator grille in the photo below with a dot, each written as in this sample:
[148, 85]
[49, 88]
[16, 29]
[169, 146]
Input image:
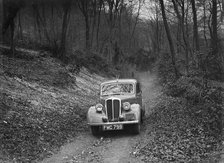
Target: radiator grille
[109, 109]
[113, 109]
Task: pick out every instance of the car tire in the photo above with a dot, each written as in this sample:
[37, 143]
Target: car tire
[95, 130]
[136, 128]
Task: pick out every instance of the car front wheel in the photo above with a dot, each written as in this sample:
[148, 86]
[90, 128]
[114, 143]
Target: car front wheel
[95, 130]
[136, 128]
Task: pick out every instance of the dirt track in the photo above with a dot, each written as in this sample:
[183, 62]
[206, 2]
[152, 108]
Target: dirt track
[111, 147]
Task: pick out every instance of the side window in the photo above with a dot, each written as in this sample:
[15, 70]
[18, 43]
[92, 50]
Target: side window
[138, 88]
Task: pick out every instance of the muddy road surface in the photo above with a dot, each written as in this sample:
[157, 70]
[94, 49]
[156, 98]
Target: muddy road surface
[113, 146]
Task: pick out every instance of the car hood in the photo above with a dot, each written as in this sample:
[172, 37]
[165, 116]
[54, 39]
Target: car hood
[122, 97]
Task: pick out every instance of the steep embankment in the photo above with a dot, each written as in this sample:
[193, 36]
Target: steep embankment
[46, 83]
[43, 104]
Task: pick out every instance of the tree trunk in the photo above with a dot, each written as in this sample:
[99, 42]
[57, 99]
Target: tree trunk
[204, 24]
[10, 12]
[2, 18]
[136, 20]
[110, 21]
[98, 24]
[66, 17]
[12, 29]
[83, 6]
[120, 22]
[209, 25]
[20, 30]
[179, 27]
[41, 22]
[172, 51]
[214, 58]
[214, 28]
[87, 32]
[158, 32]
[222, 13]
[181, 21]
[187, 44]
[37, 22]
[178, 37]
[196, 40]
[94, 6]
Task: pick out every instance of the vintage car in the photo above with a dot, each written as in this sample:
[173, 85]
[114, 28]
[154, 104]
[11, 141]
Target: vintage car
[120, 107]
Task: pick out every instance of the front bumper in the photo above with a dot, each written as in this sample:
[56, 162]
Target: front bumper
[114, 123]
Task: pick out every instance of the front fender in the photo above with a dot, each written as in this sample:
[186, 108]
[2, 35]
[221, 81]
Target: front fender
[93, 116]
[136, 108]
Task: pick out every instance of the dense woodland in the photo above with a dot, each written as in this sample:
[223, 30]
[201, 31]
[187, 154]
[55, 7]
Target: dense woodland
[182, 41]
[190, 31]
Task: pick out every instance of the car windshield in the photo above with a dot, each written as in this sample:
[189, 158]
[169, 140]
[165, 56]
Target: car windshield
[117, 88]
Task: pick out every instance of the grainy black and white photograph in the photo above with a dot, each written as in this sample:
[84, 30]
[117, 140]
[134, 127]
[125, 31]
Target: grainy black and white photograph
[111, 81]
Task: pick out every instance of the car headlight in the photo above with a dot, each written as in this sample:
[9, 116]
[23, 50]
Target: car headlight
[126, 106]
[99, 107]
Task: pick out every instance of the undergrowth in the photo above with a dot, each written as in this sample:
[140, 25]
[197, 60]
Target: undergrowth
[92, 61]
[28, 134]
[31, 131]
[186, 124]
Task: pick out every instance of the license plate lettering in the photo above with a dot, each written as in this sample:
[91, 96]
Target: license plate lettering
[113, 127]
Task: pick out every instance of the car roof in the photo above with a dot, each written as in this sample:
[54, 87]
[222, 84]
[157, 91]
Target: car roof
[121, 81]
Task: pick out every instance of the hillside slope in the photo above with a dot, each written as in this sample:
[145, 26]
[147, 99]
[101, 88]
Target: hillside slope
[42, 101]
[45, 80]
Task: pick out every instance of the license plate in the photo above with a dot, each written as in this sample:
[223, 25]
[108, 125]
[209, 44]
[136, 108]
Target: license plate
[113, 127]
